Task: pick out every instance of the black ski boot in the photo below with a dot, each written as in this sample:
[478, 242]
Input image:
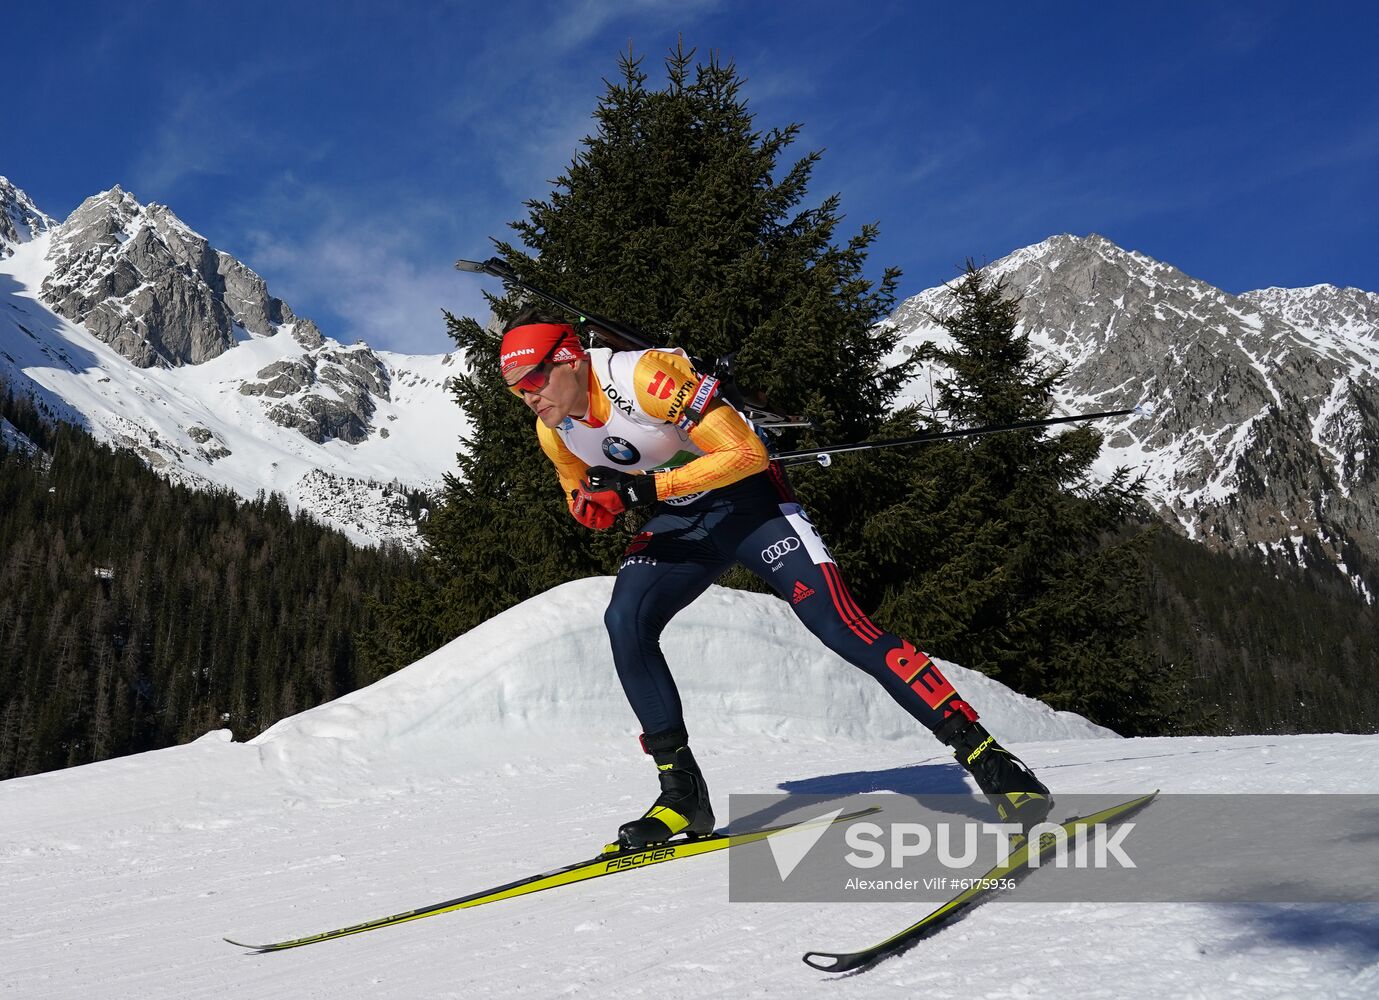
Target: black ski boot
[683, 805]
[1006, 781]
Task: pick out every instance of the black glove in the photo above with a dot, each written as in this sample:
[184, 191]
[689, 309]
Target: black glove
[616, 491]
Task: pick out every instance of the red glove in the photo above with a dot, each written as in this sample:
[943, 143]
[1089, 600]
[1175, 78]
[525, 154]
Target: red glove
[589, 512]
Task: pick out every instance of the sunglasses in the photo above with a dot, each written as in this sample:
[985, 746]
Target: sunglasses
[536, 379]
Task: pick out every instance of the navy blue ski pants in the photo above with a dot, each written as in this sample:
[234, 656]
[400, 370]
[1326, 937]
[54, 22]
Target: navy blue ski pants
[757, 523]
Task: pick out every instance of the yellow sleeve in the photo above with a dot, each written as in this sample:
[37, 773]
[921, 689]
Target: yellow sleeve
[568, 467]
[666, 384]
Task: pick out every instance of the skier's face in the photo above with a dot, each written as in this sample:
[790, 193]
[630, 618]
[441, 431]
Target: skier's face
[564, 393]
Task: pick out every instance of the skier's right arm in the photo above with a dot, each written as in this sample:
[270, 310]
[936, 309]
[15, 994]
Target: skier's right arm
[571, 471]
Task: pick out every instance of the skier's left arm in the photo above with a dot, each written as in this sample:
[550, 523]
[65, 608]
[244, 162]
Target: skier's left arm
[669, 389]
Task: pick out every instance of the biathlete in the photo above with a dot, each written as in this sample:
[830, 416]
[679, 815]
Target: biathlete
[643, 429]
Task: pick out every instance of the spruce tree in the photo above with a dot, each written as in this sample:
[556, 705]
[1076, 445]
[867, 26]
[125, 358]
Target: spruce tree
[1030, 572]
[211, 604]
[677, 216]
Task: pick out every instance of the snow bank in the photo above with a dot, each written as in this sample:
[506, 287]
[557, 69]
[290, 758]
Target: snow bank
[507, 753]
[744, 664]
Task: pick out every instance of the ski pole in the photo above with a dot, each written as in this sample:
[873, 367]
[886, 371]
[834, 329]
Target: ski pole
[616, 334]
[824, 456]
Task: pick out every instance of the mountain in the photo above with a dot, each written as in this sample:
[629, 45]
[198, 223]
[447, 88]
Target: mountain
[125, 320]
[20, 219]
[511, 751]
[143, 282]
[13, 438]
[1265, 432]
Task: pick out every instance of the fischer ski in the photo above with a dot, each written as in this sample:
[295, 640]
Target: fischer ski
[982, 889]
[610, 863]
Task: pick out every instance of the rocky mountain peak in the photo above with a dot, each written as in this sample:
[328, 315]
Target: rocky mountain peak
[1344, 321]
[20, 219]
[1267, 429]
[231, 389]
[143, 281]
[154, 289]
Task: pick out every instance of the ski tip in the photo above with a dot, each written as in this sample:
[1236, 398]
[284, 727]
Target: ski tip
[241, 944]
[827, 961]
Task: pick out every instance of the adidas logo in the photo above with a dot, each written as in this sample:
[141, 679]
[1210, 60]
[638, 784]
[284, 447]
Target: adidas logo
[801, 592]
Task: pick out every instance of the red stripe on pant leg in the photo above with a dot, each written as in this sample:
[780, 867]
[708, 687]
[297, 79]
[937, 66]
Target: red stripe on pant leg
[842, 611]
[858, 608]
[865, 622]
[857, 621]
[847, 608]
[837, 604]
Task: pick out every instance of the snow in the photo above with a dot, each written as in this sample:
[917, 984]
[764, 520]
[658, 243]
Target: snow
[1309, 350]
[511, 751]
[12, 438]
[1330, 424]
[152, 409]
[1338, 323]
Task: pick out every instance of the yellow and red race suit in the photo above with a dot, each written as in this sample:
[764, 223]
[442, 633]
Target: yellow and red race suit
[650, 411]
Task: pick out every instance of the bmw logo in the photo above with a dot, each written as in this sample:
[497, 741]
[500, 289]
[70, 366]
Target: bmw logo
[621, 451]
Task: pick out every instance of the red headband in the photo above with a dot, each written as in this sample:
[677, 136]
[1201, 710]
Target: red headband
[531, 343]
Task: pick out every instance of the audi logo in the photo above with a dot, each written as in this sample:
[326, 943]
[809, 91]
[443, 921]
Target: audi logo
[773, 552]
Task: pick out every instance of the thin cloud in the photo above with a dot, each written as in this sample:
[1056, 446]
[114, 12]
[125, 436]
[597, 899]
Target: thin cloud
[371, 284]
[207, 130]
[546, 114]
[584, 19]
[1242, 29]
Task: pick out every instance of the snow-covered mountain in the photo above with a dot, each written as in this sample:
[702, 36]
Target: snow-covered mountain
[20, 219]
[1266, 426]
[125, 320]
[512, 751]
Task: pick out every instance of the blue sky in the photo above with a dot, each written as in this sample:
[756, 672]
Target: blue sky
[350, 151]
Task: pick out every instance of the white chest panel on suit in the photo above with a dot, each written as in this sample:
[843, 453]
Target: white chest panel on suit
[631, 439]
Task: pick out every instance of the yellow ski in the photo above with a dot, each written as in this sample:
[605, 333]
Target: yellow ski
[982, 888]
[605, 864]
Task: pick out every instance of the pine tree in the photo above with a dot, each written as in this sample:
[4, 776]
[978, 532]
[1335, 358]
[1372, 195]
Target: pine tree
[1031, 573]
[676, 217]
[211, 601]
